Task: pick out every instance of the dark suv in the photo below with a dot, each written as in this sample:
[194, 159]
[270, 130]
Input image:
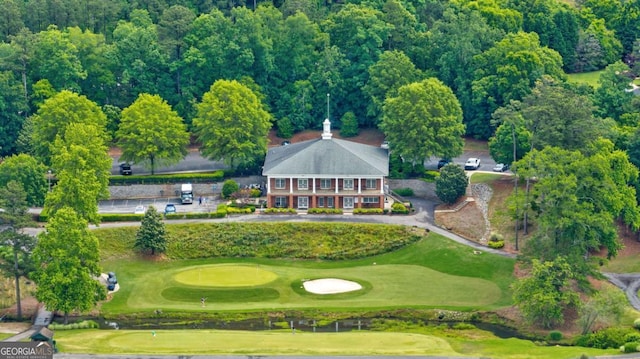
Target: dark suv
[443, 162]
[111, 281]
[125, 169]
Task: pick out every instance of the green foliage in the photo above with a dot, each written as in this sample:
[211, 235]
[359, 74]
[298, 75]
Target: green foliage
[152, 234]
[245, 210]
[215, 176]
[277, 240]
[636, 323]
[431, 176]
[67, 260]
[404, 192]
[349, 126]
[399, 208]
[232, 123]
[630, 347]
[555, 335]
[29, 173]
[612, 337]
[82, 166]
[151, 133]
[324, 211]
[544, 295]
[285, 127]
[605, 307]
[255, 193]
[85, 324]
[55, 115]
[274, 210]
[495, 244]
[229, 188]
[451, 184]
[423, 120]
[366, 211]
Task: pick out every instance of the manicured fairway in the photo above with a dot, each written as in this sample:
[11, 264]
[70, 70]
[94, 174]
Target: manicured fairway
[283, 342]
[384, 285]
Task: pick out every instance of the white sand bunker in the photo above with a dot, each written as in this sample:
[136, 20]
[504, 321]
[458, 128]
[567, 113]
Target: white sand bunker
[330, 286]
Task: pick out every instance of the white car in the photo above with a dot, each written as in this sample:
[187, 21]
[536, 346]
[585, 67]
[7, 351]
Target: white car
[500, 167]
[139, 210]
[472, 164]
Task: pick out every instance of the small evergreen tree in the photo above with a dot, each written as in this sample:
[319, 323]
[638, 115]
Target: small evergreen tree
[152, 234]
[349, 125]
[451, 184]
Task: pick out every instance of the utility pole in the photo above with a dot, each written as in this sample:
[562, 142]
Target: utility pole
[513, 137]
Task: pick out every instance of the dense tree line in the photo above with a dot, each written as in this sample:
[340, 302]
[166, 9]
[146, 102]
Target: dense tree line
[295, 52]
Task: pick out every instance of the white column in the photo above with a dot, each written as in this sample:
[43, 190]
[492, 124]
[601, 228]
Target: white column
[314, 185]
[290, 184]
[268, 184]
[359, 185]
[336, 184]
[381, 185]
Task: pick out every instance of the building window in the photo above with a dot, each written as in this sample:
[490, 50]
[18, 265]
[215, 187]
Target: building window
[320, 202]
[303, 183]
[281, 183]
[348, 183]
[281, 202]
[371, 183]
[303, 202]
[325, 183]
[329, 202]
[370, 199]
[348, 202]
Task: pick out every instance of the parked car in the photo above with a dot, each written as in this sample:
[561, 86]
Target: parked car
[139, 210]
[170, 208]
[125, 169]
[111, 281]
[500, 167]
[443, 162]
[472, 164]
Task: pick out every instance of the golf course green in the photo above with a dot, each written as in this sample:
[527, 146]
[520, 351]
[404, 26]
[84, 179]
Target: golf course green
[225, 276]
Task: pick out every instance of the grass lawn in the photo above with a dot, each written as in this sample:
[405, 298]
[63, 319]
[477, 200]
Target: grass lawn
[282, 342]
[434, 272]
[590, 78]
[3, 336]
[482, 177]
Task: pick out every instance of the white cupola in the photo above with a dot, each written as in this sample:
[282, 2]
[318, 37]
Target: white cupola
[326, 129]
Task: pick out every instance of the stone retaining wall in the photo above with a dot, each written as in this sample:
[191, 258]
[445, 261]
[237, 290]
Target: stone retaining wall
[173, 190]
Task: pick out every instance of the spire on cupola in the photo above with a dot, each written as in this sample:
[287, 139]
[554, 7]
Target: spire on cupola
[326, 125]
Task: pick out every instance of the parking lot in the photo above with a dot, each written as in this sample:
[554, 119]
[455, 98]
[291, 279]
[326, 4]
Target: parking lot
[129, 205]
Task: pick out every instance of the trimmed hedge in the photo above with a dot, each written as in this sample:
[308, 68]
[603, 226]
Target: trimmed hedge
[121, 217]
[85, 324]
[399, 208]
[495, 244]
[216, 176]
[280, 211]
[324, 211]
[368, 211]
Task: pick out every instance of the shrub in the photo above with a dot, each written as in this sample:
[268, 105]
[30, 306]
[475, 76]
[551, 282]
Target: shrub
[255, 193]
[285, 127]
[555, 335]
[630, 347]
[464, 326]
[368, 211]
[280, 211]
[495, 244]
[215, 176]
[244, 210]
[121, 217]
[85, 324]
[399, 208]
[229, 187]
[431, 176]
[613, 337]
[324, 211]
[636, 323]
[404, 192]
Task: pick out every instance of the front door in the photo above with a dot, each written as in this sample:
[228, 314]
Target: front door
[348, 202]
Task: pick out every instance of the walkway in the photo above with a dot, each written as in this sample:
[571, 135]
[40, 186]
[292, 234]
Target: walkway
[43, 319]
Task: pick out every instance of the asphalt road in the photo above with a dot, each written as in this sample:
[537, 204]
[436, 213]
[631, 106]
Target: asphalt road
[194, 162]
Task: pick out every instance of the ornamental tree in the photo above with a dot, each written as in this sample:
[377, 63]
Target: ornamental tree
[451, 184]
[152, 235]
